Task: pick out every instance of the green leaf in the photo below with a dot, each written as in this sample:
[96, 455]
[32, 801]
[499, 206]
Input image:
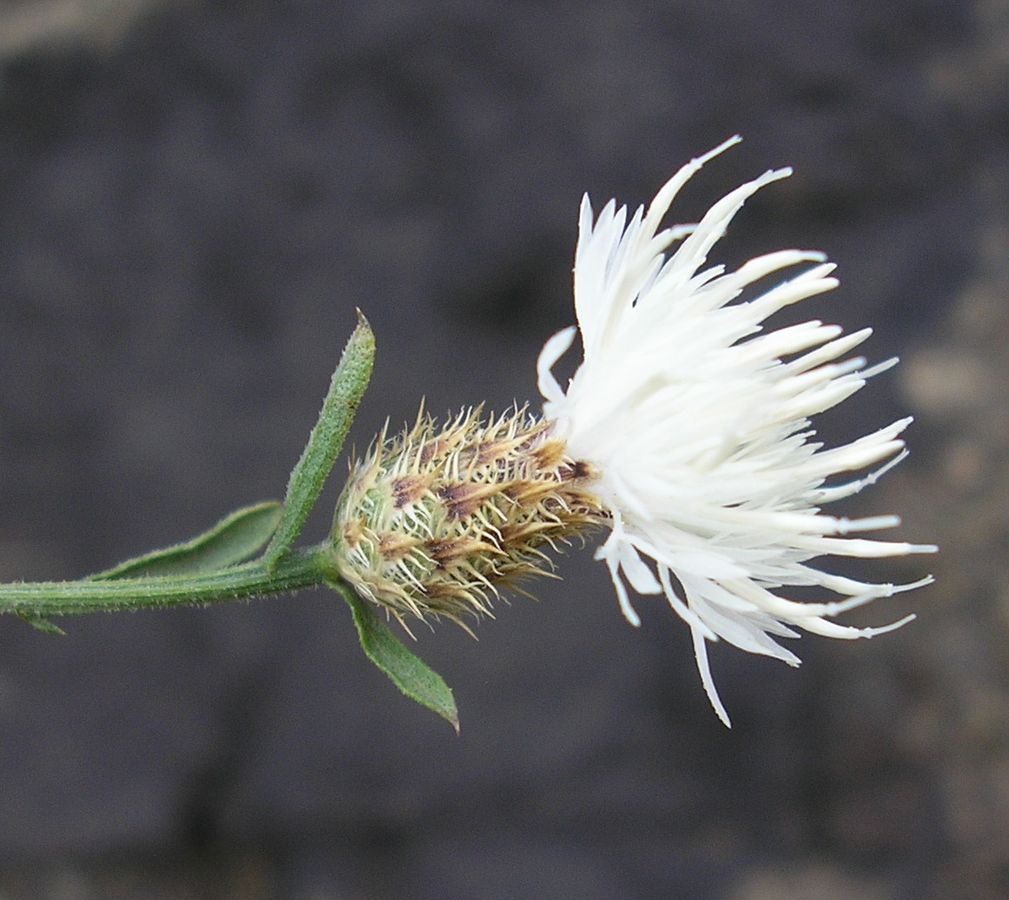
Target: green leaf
[233, 540]
[40, 623]
[410, 674]
[326, 440]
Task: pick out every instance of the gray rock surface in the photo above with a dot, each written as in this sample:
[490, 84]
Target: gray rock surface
[194, 198]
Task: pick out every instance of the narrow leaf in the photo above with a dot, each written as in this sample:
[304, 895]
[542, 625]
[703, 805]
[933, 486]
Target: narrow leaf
[233, 540]
[326, 440]
[40, 623]
[410, 674]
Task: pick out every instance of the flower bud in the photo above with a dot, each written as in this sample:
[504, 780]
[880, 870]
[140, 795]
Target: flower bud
[433, 522]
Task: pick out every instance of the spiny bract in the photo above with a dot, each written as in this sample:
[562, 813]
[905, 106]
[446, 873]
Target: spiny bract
[433, 521]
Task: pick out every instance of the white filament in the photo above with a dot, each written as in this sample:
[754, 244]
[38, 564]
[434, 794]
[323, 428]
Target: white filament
[698, 423]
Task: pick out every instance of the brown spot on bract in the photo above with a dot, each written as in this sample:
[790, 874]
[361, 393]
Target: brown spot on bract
[394, 546]
[408, 490]
[431, 449]
[549, 454]
[442, 552]
[462, 498]
[578, 470]
[352, 532]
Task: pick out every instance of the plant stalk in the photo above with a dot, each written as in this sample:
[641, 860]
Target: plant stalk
[253, 579]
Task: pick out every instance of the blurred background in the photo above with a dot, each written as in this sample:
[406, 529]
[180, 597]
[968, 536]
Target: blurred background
[193, 199]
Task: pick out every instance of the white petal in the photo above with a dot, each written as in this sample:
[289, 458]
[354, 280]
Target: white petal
[703, 666]
[697, 420]
[552, 351]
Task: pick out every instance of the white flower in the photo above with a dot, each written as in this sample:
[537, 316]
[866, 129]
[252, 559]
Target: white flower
[697, 422]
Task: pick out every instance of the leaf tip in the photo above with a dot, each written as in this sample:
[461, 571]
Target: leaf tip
[411, 675]
[41, 623]
[363, 337]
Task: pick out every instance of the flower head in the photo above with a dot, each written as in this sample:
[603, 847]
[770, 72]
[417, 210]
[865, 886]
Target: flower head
[696, 422]
[432, 522]
[685, 431]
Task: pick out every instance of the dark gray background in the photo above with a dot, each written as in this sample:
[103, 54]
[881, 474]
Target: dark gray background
[193, 199]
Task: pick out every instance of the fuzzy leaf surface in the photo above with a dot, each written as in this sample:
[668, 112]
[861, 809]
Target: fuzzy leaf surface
[346, 389]
[236, 538]
[40, 623]
[408, 672]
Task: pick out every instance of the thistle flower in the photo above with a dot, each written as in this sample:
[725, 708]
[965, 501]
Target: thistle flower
[697, 424]
[685, 431]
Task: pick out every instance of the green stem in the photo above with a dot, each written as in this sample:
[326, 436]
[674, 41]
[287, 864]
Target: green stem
[253, 579]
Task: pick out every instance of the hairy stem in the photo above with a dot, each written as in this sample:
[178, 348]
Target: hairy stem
[253, 579]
